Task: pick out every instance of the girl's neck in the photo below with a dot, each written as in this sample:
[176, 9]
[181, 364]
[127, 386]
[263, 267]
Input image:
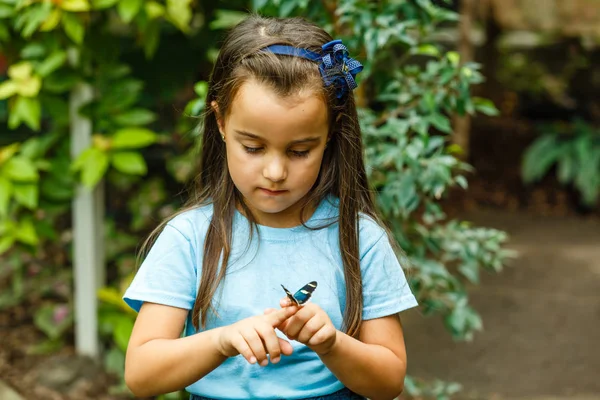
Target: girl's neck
[289, 218]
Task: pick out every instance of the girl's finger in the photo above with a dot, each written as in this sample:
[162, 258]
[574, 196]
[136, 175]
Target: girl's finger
[277, 317]
[283, 326]
[285, 346]
[320, 336]
[285, 302]
[269, 338]
[256, 346]
[239, 343]
[309, 329]
[269, 311]
[294, 326]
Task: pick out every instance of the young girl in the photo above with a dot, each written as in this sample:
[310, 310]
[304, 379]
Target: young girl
[282, 200]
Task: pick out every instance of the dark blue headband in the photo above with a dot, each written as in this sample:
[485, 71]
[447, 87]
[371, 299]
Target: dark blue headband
[335, 64]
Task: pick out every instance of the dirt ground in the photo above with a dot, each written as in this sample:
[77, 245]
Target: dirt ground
[541, 317]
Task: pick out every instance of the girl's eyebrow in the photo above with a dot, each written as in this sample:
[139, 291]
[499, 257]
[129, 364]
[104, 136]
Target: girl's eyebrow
[256, 137]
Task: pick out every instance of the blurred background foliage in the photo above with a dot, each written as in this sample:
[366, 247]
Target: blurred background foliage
[147, 63]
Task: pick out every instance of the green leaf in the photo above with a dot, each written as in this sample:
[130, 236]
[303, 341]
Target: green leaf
[20, 169]
[441, 122]
[151, 38]
[179, 12]
[25, 109]
[27, 195]
[201, 89]
[539, 157]
[128, 9]
[225, 19]
[93, 163]
[258, 4]
[8, 89]
[6, 11]
[133, 138]
[61, 81]
[6, 242]
[485, 106]
[461, 181]
[52, 63]
[154, 9]
[5, 193]
[129, 163]
[26, 233]
[426, 50]
[73, 27]
[470, 271]
[122, 333]
[134, 117]
[36, 16]
[7, 152]
[102, 4]
[453, 57]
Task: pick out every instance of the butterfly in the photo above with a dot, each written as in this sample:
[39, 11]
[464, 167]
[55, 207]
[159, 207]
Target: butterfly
[303, 295]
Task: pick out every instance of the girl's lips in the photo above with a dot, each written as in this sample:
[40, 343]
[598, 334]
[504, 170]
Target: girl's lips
[273, 192]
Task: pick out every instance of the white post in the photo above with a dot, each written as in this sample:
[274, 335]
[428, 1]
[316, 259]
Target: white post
[88, 234]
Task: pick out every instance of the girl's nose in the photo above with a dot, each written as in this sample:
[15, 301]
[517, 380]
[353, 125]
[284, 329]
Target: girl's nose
[275, 169]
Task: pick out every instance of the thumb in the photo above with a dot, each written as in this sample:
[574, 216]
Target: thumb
[275, 318]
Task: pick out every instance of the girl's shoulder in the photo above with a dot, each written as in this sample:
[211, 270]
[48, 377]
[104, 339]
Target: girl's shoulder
[370, 231]
[192, 221]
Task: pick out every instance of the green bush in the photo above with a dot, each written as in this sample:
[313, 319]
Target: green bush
[574, 149]
[146, 63]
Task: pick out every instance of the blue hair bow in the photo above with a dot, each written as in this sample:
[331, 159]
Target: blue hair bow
[336, 66]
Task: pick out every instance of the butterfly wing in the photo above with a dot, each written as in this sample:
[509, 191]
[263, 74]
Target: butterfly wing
[290, 295]
[304, 294]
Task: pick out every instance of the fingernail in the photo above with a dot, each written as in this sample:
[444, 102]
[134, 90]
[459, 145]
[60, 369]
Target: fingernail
[275, 360]
[264, 363]
[252, 360]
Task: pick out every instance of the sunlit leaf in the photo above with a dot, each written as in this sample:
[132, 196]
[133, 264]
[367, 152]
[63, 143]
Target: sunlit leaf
[73, 27]
[128, 9]
[129, 163]
[7, 89]
[5, 194]
[20, 169]
[52, 21]
[75, 5]
[25, 109]
[134, 117]
[133, 138]
[26, 194]
[26, 233]
[52, 63]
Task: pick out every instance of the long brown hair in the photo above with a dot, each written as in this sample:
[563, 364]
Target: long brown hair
[342, 171]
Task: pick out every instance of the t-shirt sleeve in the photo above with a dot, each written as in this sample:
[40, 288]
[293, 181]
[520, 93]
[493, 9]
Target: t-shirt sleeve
[385, 289]
[167, 275]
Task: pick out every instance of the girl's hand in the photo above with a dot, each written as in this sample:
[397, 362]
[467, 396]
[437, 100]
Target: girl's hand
[309, 325]
[255, 337]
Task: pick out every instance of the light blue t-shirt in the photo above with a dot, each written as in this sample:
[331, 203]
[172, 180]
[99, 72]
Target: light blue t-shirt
[170, 275]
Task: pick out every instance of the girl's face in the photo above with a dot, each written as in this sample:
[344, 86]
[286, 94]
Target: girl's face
[274, 150]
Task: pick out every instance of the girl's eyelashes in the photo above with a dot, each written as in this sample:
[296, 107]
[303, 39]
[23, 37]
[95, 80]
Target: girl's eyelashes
[252, 150]
[295, 153]
[301, 154]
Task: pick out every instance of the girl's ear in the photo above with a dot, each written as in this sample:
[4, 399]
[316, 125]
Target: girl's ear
[215, 108]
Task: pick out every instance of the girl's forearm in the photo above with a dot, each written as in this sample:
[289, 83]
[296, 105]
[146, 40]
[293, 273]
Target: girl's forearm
[167, 365]
[367, 369]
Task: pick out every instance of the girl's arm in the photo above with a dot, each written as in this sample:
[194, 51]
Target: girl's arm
[159, 361]
[375, 365]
